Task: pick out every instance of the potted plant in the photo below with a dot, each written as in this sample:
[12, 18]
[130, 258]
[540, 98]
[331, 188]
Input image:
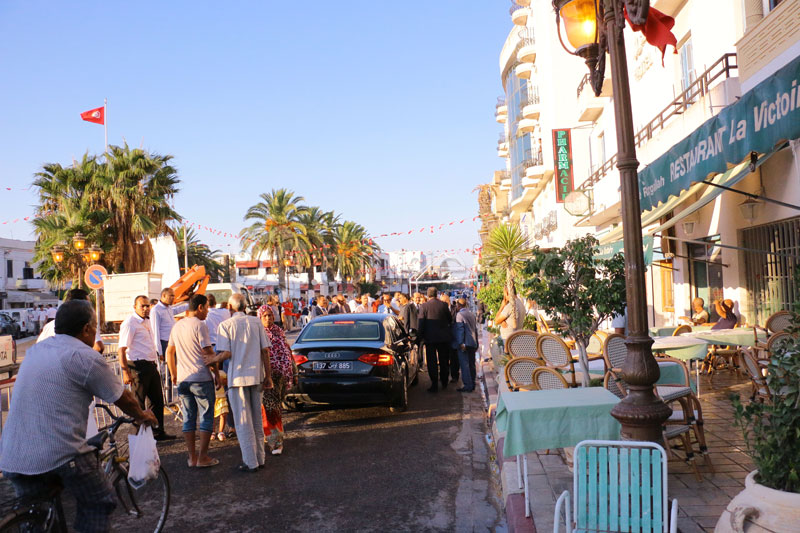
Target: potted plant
[770, 500]
[579, 288]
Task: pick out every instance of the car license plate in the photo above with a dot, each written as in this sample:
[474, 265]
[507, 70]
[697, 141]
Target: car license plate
[332, 365]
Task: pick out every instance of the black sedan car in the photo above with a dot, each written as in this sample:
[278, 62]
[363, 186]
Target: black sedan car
[8, 326]
[354, 359]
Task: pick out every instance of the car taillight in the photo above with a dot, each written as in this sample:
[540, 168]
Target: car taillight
[376, 359]
[299, 358]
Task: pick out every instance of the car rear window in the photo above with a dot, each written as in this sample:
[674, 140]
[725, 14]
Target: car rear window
[342, 330]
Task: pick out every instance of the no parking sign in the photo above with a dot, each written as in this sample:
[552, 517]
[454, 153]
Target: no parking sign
[94, 276]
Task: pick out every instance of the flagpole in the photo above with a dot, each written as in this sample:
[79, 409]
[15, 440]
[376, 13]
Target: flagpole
[105, 120]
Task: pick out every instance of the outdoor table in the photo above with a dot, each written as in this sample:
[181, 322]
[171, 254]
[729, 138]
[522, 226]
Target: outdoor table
[544, 419]
[684, 347]
[739, 336]
[666, 331]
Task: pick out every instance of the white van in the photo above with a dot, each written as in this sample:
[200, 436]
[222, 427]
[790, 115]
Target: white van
[223, 291]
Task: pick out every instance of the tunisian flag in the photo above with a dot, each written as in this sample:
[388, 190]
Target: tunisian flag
[97, 115]
[656, 30]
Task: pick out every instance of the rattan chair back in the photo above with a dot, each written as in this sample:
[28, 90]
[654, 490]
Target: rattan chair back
[546, 378]
[553, 350]
[523, 344]
[683, 328]
[614, 351]
[519, 372]
[779, 321]
[595, 346]
[614, 386]
[754, 372]
[775, 341]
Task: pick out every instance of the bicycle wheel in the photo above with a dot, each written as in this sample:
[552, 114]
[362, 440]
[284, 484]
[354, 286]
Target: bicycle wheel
[39, 518]
[144, 509]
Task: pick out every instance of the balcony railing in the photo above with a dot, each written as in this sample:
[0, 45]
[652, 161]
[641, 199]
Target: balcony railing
[526, 36]
[501, 101]
[502, 139]
[514, 7]
[533, 158]
[699, 88]
[533, 95]
[585, 82]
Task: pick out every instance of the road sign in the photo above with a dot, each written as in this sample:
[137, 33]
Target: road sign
[94, 276]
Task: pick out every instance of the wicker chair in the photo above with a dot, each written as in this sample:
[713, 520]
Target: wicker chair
[556, 354]
[615, 386]
[541, 320]
[683, 328]
[755, 371]
[523, 344]
[615, 352]
[519, 371]
[546, 378]
[775, 340]
[595, 348]
[779, 321]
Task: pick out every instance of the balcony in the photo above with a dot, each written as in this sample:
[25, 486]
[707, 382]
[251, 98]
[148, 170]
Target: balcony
[526, 125]
[530, 106]
[533, 165]
[590, 107]
[26, 284]
[524, 70]
[502, 149]
[501, 110]
[526, 51]
[519, 14]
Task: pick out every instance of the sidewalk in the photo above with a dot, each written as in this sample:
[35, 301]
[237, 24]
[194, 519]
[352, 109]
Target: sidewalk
[700, 503]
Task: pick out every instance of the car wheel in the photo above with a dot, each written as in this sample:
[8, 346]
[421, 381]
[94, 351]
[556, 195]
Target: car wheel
[400, 402]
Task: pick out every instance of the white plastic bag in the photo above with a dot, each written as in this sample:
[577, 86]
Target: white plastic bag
[91, 423]
[144, 461]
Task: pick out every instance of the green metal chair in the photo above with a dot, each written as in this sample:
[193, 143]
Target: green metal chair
[618, 487]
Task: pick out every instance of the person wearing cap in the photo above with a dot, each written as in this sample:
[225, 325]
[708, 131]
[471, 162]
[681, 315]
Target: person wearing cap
[727, 318]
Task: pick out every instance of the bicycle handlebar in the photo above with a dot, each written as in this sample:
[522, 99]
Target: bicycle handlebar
[118, 420]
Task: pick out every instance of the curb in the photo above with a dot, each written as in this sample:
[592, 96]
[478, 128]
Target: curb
[512, 495]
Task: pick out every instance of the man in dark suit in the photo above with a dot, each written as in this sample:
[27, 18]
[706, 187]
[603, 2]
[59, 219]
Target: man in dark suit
[434, 330]
[339, 305]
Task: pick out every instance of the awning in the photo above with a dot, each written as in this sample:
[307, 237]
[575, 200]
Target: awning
[606, 251]
[761, 119]
[727, 179]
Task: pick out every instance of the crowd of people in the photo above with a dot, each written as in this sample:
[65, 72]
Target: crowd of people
[231, 367]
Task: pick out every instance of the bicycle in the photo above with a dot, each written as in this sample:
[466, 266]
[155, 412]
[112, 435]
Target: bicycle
[143, 509]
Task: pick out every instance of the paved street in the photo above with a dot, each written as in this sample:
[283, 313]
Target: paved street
[351, 469]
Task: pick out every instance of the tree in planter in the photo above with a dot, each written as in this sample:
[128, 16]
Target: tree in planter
[580, 289]
[506, 251]
[772, 429]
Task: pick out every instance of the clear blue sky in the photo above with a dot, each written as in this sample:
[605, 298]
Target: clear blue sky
[382, 111]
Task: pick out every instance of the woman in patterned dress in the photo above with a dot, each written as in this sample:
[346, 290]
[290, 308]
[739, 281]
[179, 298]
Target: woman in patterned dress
[284, 376]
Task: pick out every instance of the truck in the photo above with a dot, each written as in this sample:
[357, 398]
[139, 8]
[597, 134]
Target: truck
[119, 291]
[223, 291]
[8, 357]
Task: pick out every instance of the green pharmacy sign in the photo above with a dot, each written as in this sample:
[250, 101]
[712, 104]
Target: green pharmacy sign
[562, 148]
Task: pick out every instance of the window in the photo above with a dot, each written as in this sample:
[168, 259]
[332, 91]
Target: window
[667, 294]
[601, 143]
[9, 268]
[688, 75]
[769, 5]
[705, 265]
[342, 330]
[248, 271]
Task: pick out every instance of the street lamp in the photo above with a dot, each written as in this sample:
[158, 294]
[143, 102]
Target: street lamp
[57, 253]
[593, 28]
[79, 241]
[95, 252]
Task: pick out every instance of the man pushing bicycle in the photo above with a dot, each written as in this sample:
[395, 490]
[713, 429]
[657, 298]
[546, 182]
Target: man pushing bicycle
[44, 439]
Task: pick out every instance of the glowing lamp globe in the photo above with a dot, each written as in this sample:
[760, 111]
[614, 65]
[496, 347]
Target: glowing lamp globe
[57, 253]
[95, 252]
[79, 241]
[580, 21]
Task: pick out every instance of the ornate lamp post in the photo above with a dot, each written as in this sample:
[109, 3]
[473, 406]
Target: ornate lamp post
[594, 27]
[92, 255]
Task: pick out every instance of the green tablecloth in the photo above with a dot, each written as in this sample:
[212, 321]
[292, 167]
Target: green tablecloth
[738, 336]
[538, 420]
[683, 347]
[666, 331]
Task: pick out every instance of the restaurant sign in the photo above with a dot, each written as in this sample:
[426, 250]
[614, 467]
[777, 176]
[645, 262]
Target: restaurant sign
[607, 251]
[562, 149]
[760, 119]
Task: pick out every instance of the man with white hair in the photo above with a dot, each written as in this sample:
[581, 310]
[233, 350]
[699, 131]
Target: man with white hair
[242, 339]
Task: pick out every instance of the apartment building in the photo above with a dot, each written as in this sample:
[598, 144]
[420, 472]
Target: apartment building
[20, 285]
[714, 123]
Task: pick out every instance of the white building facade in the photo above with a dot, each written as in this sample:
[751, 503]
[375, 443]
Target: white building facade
[21, 285]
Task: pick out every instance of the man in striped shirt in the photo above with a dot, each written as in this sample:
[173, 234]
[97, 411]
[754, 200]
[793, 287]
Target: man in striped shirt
[44, 438]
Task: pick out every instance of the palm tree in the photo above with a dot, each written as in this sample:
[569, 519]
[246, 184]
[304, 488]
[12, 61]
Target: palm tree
[507, 249]
[275, 229]
[136, 189]
[318, 230]
[199, 253]
[353, 250]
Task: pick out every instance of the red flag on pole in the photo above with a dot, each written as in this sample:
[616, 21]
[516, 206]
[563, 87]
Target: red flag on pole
[97, 115]
[656, 30]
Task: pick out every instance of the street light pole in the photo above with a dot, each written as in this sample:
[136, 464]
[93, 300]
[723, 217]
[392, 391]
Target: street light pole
[641, 413]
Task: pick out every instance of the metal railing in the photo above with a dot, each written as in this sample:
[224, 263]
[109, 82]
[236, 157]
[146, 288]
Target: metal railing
[514, 7]
[501, 101]
[532, 97]
[699, 88]
[502, 139]
[533, 158]
[526, 37]
[585, 81]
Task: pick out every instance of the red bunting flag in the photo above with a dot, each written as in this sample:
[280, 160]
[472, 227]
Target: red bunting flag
[97, 115]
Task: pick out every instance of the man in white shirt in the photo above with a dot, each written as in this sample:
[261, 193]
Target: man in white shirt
[51, 312]
[138, 359]
[41, 317]
[162, 320]
[214, 318]
[242, 339]
[49, 329]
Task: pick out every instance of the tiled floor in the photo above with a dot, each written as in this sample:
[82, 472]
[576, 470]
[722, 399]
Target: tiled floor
[700, 502]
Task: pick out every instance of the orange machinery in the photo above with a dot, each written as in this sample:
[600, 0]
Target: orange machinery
[194, 281]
